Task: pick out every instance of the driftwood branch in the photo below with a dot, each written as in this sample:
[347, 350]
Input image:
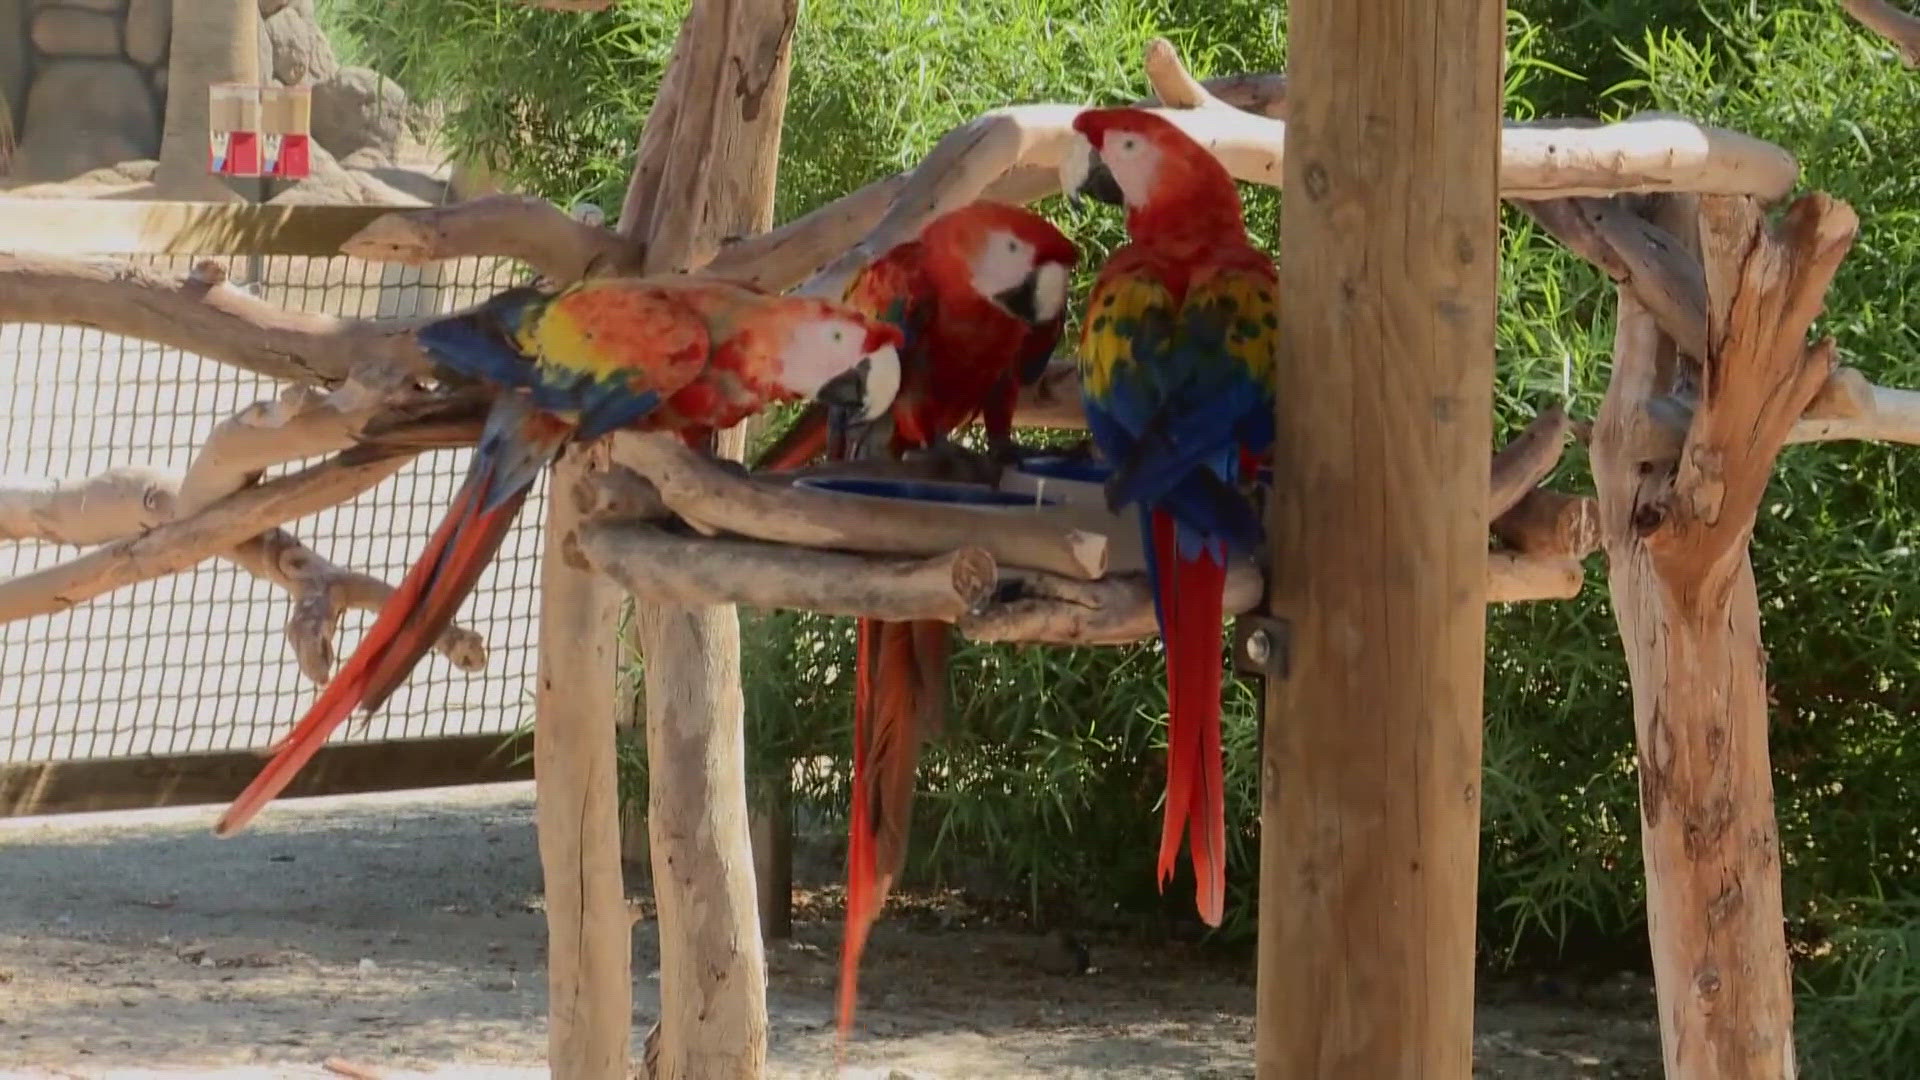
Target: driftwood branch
[1660, 271]
[1850, 407]
[710, 497]
[177, 545]
[205, 315]
[1649, 152]
[1899, 28]
[1524, 462]
[522, 227]
[126, 502]
[663, 568]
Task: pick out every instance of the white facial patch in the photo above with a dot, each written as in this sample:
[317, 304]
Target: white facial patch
[1002, 263]
[1132, 159]
[1049, 292]
[883, 381]
[818, 350]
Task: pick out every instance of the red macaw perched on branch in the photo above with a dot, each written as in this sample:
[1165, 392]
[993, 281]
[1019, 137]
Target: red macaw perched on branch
[678, 353]
[981, 298]
[1176, 370]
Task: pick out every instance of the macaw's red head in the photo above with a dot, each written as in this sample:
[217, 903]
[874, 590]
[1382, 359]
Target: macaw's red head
[1142, 161]
[1012, 257]
[838, 356]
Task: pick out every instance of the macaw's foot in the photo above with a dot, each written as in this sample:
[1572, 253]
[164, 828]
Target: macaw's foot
[953, 462]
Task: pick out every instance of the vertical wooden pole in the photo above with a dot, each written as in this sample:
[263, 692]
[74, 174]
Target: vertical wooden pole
[727, 95]
[1371, 766]
[589, 933]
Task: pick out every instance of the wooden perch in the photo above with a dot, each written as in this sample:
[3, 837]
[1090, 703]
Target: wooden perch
[1850, 407]
[177, 545]
[1649, 152]
[1899, 28]
[125, 502]
[203, 315]
[1114, 610]
[660, 567]
[711, 497]
[1524, 462]
[522, 227]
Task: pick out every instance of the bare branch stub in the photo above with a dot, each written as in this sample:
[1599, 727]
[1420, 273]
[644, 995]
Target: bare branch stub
[1761, 375]
[1901, 29]
[1527, 460]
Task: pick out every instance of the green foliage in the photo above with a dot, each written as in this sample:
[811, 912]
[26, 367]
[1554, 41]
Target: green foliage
[1046, 786]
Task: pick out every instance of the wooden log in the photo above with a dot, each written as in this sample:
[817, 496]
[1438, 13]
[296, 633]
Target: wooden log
[577, 812]
[1676, 527]
[707, 495]
[661, 568]
[1370, 804]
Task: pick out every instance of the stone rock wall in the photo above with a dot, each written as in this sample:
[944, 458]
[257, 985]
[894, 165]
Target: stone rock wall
[83, 87]
[84, 83]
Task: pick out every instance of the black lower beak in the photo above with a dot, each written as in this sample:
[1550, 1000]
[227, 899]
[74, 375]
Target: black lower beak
[845, 396]
[1021, 300]
[1101, 185]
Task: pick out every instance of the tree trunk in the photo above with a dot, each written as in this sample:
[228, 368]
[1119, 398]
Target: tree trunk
[1677, 512]
[1370, 783]
[589, 931]
[725, 97]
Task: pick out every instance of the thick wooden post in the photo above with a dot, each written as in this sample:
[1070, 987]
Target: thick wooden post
[1370, 786]
[1677, 508]
[214, 41]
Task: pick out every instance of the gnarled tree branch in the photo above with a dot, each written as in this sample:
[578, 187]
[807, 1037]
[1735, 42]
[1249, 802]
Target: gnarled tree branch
[204, 315]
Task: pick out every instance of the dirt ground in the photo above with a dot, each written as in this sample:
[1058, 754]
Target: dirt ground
[403, 934]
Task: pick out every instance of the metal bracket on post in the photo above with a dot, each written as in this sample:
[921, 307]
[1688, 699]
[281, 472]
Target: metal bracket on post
[1262, 646]
[1262, 650]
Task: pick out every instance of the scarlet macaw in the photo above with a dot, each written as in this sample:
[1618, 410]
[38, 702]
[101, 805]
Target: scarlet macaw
[573, 366]
[1176, 370]
[981, 297]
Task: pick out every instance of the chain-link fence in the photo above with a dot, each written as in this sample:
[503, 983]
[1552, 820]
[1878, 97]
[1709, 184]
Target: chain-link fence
[197, 661]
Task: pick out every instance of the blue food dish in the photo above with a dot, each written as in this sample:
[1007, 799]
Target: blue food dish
[923, 491]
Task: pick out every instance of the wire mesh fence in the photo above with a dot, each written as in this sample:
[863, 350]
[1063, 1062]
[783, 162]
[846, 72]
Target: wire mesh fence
[197, 661]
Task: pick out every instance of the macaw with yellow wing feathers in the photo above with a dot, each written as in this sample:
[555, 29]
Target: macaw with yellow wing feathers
[980, 296]
[1176, 370]
[674, 353]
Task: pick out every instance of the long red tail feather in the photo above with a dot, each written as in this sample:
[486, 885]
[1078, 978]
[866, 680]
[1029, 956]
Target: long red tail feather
[899, 698]
[412, 619]
[1191, 593]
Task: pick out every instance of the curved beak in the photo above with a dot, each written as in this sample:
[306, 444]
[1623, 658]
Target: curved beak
[1083, 174]
[861, 394]
[1039, 297]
